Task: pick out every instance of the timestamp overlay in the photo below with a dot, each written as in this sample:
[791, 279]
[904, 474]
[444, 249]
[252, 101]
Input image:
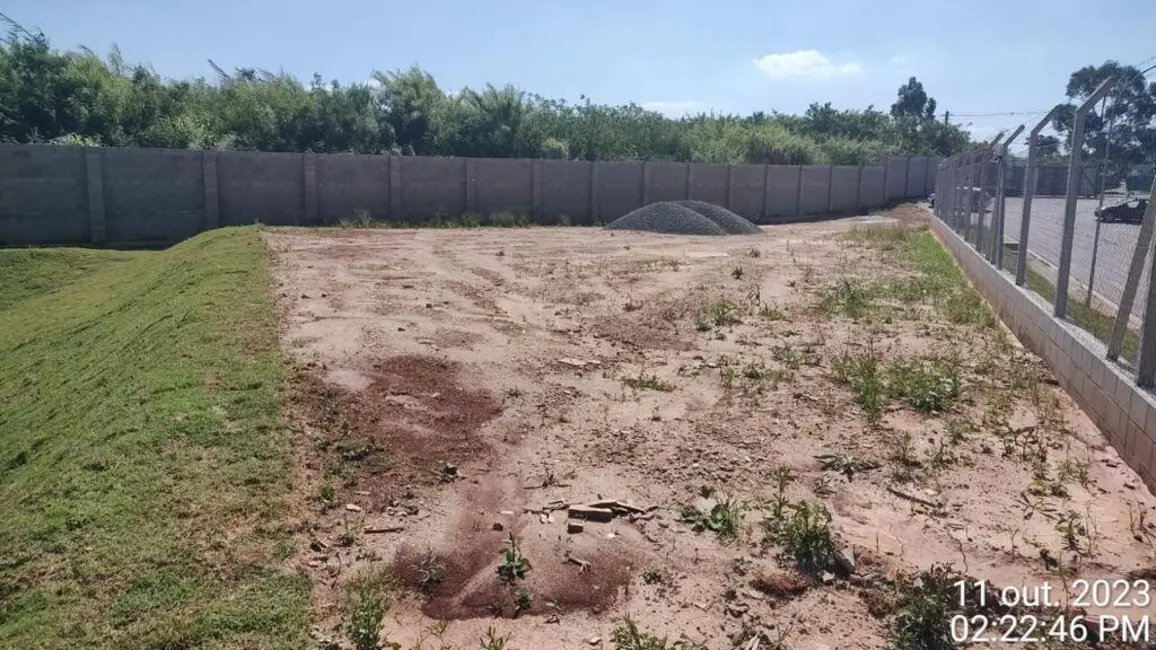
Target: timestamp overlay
[1129, 603]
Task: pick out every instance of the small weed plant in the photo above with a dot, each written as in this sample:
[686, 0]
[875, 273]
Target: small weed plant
[515, 565]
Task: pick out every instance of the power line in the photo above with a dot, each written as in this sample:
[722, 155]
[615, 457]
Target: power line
[999, 114]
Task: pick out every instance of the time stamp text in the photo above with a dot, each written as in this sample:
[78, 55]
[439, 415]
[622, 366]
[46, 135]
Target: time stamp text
[1127, 599]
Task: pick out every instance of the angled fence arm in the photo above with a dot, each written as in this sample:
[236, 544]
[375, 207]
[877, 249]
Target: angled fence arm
[996, 255]
[1029, 191]
[1075, 180]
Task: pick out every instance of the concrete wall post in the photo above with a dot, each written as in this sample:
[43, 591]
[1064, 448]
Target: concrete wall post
[309, 172]
[595, 186]
[396, 206]
[211, 193]
[95, 178]
[471, 187]
[536, 189]
[645, 182]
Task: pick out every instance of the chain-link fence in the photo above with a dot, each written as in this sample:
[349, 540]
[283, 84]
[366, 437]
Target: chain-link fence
[1072, 222]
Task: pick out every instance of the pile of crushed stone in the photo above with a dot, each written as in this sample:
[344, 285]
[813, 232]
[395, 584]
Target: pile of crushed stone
[685, 218]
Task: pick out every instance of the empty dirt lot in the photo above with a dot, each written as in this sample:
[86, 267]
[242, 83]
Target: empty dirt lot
[459, 387]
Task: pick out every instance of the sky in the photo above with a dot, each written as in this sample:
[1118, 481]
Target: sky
[676, 56]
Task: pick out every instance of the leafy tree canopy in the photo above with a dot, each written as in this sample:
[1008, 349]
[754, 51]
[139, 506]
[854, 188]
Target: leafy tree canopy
[80, 97]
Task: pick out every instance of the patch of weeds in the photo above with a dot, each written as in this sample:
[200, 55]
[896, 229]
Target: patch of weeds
[943, 457]
[1078, 532]
[903, 455]
[927, 386]
[924, 385]
[648, 382]
[655, 576]
[1043, 484]
[631, 305]
[365, 609]
[430, 570]
[754, 252]
[723, 313]
[958, 431]
[523, 601]
[725, 518]
[514, 564]
[755, 371]
[770, 311]
[924, 608]
[782, 478]
[737, 273]
[845, 463]
[349, 535]
[848, 299]
[805, 536]
[1077, 470]
[493, 640]
[823, 486]
[326, 496]
[727, 375]
[862, 374]
[627, 636]
[793, 357]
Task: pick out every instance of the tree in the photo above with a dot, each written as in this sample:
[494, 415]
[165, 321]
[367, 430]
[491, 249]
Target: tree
[913, 101]
[52, 96]
[1123, 130]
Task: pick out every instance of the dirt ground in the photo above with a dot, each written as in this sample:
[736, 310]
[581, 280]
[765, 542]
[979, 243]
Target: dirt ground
[457, 387]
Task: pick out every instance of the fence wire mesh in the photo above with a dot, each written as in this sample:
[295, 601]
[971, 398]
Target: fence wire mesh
[1064, 211]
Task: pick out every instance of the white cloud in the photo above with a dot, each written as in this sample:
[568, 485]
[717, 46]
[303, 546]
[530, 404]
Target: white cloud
[804, 63]
[676, 108]
[899, 59]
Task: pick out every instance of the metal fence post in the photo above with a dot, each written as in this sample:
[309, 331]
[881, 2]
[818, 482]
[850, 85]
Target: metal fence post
[1000, 192]
[1075, 180]
[1146, 366]
[1029, 191]
[983, 159]
[1132, 283]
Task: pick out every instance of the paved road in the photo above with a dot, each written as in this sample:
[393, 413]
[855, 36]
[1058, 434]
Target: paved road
[1117, 243]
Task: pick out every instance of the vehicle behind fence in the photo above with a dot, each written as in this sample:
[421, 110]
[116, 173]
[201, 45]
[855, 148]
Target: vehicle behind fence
[1071, 221]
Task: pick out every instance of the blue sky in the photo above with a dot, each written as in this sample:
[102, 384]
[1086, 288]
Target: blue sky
[980, 56]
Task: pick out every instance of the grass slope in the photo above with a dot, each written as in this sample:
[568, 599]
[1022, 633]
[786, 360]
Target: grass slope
[143, 462]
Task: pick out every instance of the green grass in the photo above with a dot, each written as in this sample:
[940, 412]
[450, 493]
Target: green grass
[935, 280]
[143, 459]
[34, 271]
[1095, 322]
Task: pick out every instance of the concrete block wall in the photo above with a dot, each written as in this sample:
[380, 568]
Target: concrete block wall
[51, 195]
[43, 196]
[1125, 412]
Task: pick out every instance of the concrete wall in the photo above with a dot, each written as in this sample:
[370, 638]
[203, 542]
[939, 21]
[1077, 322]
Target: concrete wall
[1124, 412]
[747, 191]
[43, 196]
[709, 183]
[844, 189]
[52, 194]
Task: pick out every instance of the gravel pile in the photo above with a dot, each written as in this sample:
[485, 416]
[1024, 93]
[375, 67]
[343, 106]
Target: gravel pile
[730, 222]
[685, 218]
[668, 218]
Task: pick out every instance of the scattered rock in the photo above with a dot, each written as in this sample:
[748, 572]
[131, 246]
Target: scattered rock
[828, 578]
[594, 640]
[384, 528]
[737, 609]
[498, 525]
[845, 558]
[574, 527]
[588, 513]
[353, 507]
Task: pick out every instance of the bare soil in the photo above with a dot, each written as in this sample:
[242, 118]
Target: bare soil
[458, 386]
